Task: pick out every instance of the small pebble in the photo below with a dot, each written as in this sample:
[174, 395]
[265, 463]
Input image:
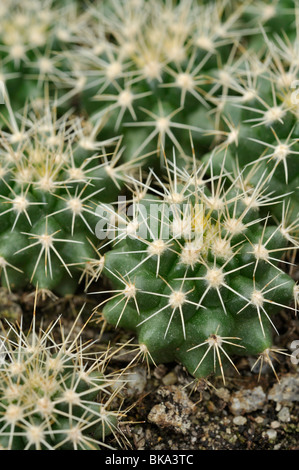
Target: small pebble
[247, 400]
[259, 420]
[272, 434]
[223, 394]
[211, 407]
[170, 379]
[206, 396]
[287, 390]
[135, 382]
[239, 420]
[174, 411]
[284, 415]
[275, 424]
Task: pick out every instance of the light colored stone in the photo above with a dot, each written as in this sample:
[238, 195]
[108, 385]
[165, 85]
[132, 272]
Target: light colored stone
[239, 420]
[135, 382]
[174, 411]
[284, 415]
[275, 424]
[246, 400]
[272, 434]
[285, 391]
[223, 394]
[259, 420]
[170, 379]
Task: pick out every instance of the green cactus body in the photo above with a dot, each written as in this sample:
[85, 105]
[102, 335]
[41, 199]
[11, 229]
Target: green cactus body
[199, 67]
[198, 279]
[53, 176]
[151, 77]
[50, 399]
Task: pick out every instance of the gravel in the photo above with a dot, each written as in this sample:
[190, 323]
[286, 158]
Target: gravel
[246, 400]
[287, 390]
